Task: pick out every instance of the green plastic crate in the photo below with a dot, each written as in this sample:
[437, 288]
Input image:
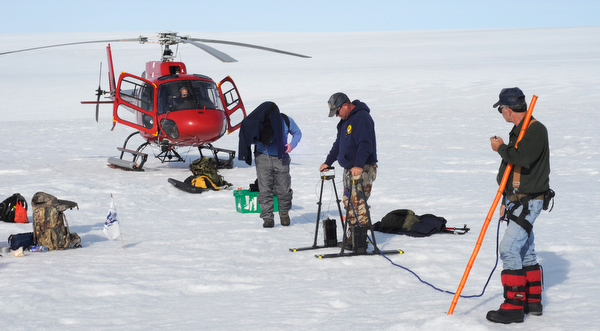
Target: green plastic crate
[247, 202]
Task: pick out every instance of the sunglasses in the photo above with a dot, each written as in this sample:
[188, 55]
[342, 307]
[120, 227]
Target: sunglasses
[337, 112]
[500, 109]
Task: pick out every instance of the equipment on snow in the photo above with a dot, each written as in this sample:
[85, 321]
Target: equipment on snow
[21, 240]
[186, 185]
[38, 249]
[356, 243]
[253, 187]
[8, 208]
[455, 230]
[21, 213]
[346, 254]
[404, 221]
[329, 225]
[50, 226]
[329, 232]
[206, 167]
[205, 177]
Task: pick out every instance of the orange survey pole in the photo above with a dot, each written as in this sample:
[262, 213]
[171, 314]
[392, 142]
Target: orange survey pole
[492, 209]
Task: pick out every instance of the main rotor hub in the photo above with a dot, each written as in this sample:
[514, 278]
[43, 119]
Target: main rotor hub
[168, 38]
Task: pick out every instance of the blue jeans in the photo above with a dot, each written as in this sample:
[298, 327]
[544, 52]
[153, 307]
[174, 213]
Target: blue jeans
[517, 249]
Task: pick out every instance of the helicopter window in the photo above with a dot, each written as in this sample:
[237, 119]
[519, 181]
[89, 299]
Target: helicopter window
[137, 93]
[208, 95]
[181, 95]
[231, 97]
[167, 77]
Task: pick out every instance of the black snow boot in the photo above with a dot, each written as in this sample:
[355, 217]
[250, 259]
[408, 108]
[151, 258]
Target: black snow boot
[268, 223]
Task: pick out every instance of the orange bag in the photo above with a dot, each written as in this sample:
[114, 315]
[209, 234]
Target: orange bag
[20, 213]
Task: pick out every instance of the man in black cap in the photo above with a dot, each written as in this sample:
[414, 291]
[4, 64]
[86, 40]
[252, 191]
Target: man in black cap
[355, 149]
[523, 202]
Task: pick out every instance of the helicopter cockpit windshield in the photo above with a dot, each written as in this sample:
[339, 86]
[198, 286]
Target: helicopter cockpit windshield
[189, 94]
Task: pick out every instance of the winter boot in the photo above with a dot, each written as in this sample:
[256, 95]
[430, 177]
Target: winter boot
[533, 289]
[284, 218]
[268, 223]
[512, 310]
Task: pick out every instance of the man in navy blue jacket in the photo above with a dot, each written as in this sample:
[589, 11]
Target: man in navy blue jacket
[355, 149]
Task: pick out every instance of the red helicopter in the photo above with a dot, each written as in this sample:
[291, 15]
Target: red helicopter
[169, 107]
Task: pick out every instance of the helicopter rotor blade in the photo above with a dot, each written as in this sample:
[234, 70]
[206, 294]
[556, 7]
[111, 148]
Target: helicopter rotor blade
[214, 52]
[139, 39]
[247, 45]
[198, 42]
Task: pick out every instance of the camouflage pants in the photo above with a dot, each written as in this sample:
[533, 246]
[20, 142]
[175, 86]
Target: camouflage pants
[361, 191]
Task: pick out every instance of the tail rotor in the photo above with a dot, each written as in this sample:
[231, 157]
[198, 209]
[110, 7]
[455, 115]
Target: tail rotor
[99, 92]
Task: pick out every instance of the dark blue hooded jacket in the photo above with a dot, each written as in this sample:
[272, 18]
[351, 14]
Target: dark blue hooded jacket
[251, 127]
[355, 145]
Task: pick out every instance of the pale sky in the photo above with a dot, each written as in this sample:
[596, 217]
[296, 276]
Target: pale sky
[292, 16]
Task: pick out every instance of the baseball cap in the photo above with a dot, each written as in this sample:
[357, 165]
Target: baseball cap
[510, 97]
[335, 101]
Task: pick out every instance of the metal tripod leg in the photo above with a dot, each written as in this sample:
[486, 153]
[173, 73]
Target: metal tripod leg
[318, 212]
[337, 199]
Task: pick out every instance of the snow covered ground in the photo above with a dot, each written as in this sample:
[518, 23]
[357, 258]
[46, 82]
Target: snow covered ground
[191, 262]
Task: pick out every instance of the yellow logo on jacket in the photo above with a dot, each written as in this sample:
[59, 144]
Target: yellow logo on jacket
[349, 129]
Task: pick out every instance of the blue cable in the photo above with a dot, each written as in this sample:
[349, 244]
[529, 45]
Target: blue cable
[427, 283]
[449, 292]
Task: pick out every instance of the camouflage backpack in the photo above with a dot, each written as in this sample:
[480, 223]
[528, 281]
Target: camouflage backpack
[50, 227]
[206, 174]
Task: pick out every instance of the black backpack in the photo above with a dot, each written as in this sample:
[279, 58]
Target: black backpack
[7, 207]
[404, 221]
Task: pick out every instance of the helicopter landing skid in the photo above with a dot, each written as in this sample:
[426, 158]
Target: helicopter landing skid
[221, 164]
[118, 162]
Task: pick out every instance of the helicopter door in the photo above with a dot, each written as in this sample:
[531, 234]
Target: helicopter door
[134, 103]
[234, 107]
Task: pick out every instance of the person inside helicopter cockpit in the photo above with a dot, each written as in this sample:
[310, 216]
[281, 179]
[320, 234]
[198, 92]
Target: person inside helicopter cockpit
[182, 101]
